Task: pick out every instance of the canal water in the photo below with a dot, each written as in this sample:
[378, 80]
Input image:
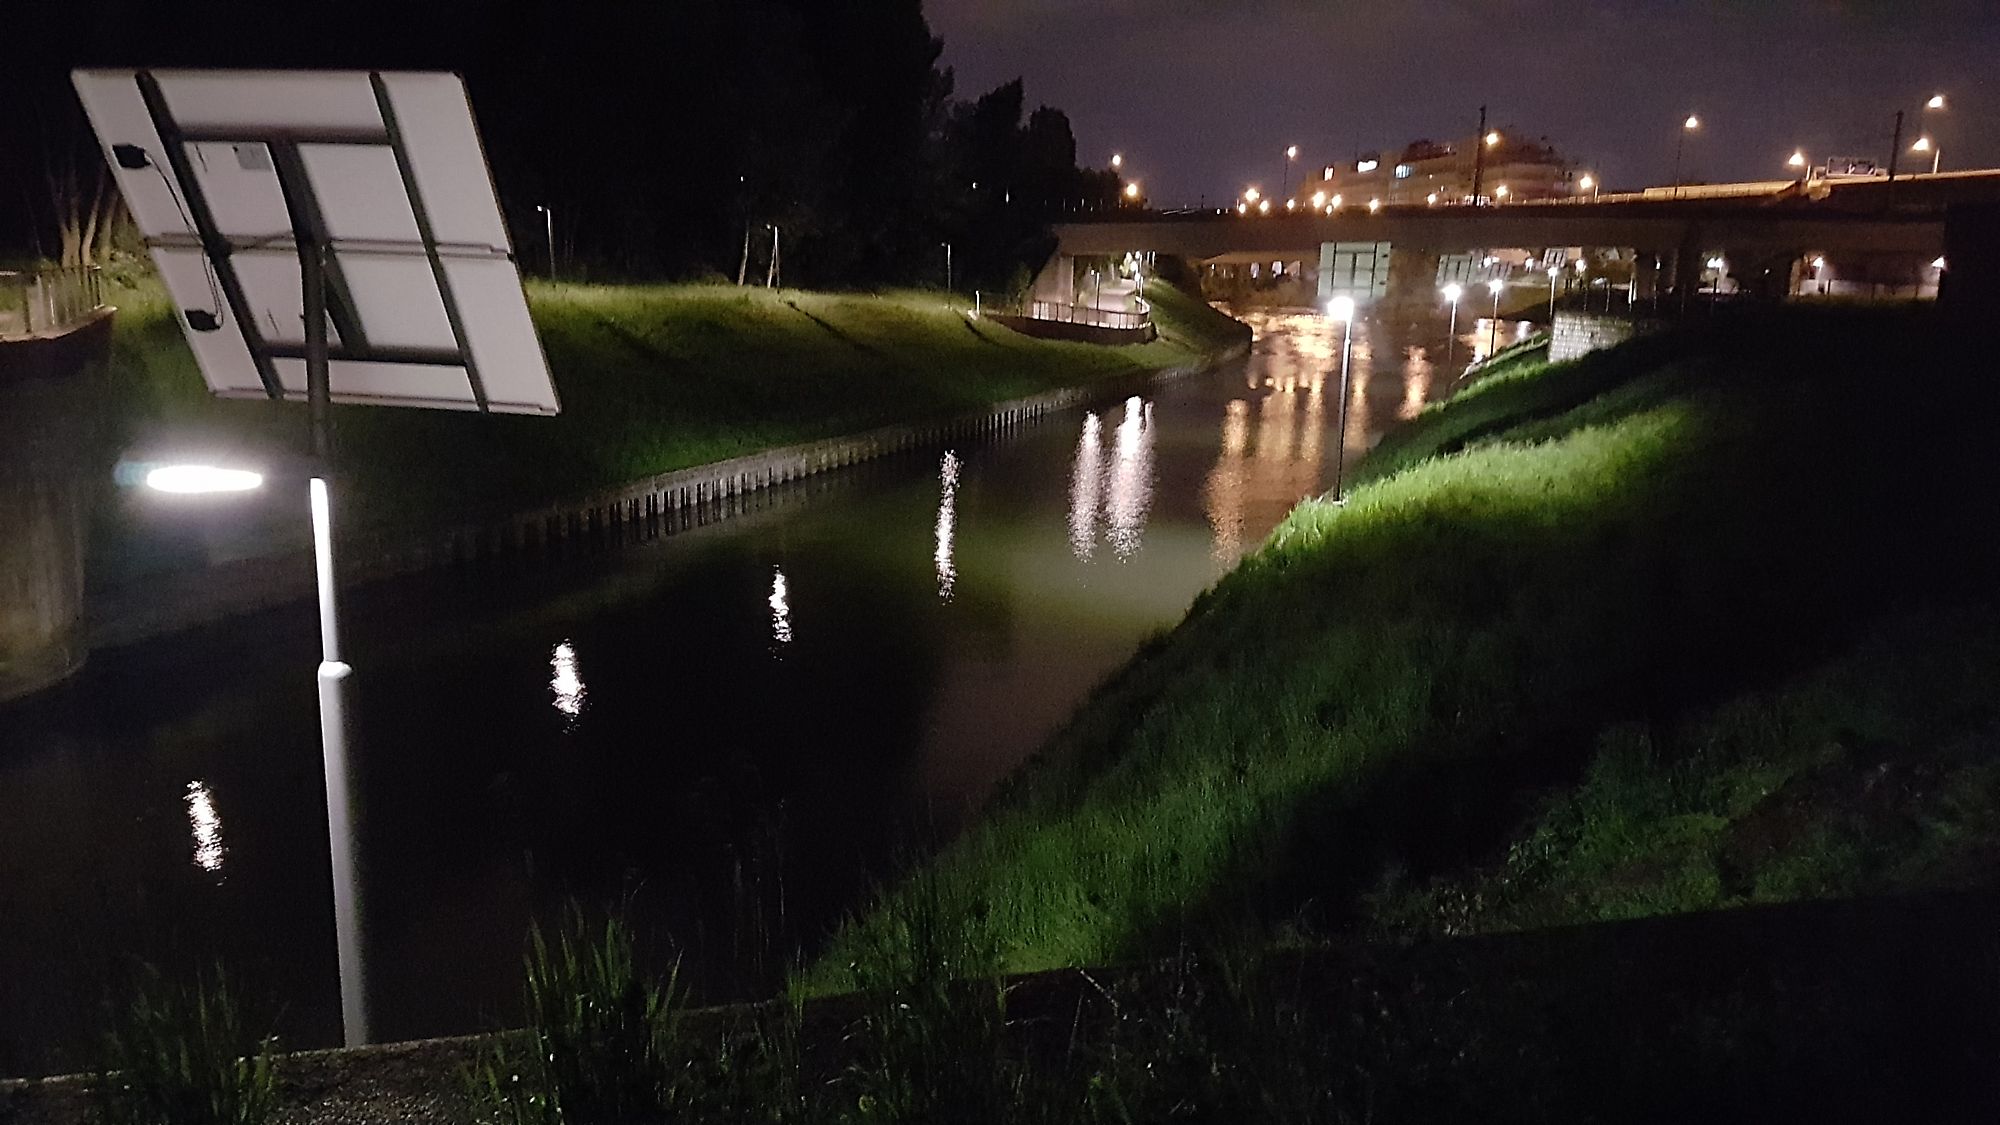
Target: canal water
[733, 731]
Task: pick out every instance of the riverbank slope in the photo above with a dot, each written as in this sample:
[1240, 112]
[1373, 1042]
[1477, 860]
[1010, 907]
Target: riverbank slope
[652, 378]
[1697, 622]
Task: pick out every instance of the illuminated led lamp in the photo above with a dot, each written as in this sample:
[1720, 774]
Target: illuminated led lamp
[190, 480]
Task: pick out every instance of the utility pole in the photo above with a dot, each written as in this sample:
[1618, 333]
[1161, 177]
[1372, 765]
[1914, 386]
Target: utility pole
[1479, 157]
[772, 273]
[1896, 146]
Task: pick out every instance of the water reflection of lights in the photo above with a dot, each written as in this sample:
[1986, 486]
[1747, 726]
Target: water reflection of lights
[781, 608]
[947, 520]
[1131, 495]
[206, 824]
[1115, 488]
[565, 681]
[1083, 491]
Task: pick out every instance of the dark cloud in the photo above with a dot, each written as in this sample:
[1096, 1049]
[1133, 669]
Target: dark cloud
[1203, 95]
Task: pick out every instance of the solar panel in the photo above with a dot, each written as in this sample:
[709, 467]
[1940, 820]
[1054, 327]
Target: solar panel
[227, 172]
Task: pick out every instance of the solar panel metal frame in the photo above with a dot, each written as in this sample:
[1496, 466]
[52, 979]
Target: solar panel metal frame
[310, 236]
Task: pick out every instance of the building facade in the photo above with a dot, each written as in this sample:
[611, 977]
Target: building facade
[1427, 172]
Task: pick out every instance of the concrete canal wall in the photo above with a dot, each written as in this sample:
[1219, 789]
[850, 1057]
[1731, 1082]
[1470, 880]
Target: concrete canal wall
[635, 512]
[48, 392]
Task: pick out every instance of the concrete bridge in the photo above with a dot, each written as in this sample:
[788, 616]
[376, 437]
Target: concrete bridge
[1768, 233]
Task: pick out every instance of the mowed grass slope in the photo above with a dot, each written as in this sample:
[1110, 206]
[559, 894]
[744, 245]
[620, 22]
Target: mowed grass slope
[1562, 592]
[652, 378]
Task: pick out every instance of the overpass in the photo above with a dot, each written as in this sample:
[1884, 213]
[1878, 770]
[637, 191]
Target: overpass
[1866, 228]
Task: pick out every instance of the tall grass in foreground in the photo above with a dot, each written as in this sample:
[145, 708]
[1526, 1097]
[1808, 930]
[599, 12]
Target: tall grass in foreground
[179, 1054]
[601, 1036]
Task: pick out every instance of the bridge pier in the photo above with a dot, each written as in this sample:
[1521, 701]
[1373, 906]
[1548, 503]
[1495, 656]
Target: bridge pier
[1412, 285]
[49, 404]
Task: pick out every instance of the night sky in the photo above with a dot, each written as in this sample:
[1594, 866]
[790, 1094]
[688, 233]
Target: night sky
[1202, 96]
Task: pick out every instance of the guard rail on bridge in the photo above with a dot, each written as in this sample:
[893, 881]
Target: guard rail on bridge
[44, 302]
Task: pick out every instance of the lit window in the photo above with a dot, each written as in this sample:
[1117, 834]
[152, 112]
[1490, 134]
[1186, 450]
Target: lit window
[1367, 165]
[1403, 171]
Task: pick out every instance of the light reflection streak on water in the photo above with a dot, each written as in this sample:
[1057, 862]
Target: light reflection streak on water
[947, 521]
[1418, 373]
[1083, 491]
[565, 680]
[206, 825]
[1131, 494]
[781, 608]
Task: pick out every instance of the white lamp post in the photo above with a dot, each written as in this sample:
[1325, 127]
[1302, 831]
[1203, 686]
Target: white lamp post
[1493, 326]
[1341, 308]
[1452, 293]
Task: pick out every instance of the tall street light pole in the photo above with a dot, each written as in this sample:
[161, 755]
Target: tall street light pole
[549, 226]
[1680, 144]
[1493, 326]
[1285, 180]
[947, 266]
[1342, 309]
[1451, 293]
[1554, 272]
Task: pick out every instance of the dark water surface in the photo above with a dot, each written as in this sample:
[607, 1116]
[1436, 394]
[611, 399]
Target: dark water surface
[735, 728]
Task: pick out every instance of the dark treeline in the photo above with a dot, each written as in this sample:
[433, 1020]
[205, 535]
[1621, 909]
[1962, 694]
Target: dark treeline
[659, 133]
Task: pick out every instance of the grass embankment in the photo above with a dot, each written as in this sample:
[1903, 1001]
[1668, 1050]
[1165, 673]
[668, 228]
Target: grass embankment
[1699, 621]
[652, 378]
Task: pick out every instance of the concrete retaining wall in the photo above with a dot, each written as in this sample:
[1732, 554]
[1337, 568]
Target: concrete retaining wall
[49, 391]
[1578, 333]
[636, 512]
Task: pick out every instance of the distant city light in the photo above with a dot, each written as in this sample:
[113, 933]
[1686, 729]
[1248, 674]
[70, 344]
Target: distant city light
[1292, 152]
[1118, 160]
[1337, 201]
[1319, 199]
[1252, 194]
[1492, 139]
[1374, 205]
[1500, 192]
[1936, 102]
[1692, 122]
[191, 479]
[1581, 265]
[1798, 159]
[1290, 204]
[1132, 191]
[1264, 208]
[1242, 208]
[1431, 199]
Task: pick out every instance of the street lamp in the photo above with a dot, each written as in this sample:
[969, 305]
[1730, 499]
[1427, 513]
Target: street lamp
[549, 224]
[1492, 139]
[1452, 293]
[947, 266]
[1252, 194]
[1589, 183]
[1493, 329]
[1132, 190]
[1680, 143]
[1500, 192]
[1264, 207]
[1285, 179]
[1342, 309]
[1798, 162]
[1554, 272]
[1118, 160]
[1374, 205]
[1924, 145]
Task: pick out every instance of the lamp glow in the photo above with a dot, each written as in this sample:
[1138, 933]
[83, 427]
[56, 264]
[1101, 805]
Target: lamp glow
[1453, 292]
[1341, 308]
[1118, 160]
[1936, 102]
[1692, 123]
[196, 479]
[1798, 159]
[1374, 205]
[1492, 139]
[1495, 286]
[1132, 191]
[1923, 145]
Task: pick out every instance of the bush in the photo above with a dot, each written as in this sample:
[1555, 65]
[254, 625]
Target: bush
[179, 1055]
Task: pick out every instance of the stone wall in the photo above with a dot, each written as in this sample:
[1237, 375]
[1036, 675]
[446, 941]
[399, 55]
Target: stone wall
[1577, 333]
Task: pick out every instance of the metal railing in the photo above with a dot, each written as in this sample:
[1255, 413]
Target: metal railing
[40, 301]
[1087, 314]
